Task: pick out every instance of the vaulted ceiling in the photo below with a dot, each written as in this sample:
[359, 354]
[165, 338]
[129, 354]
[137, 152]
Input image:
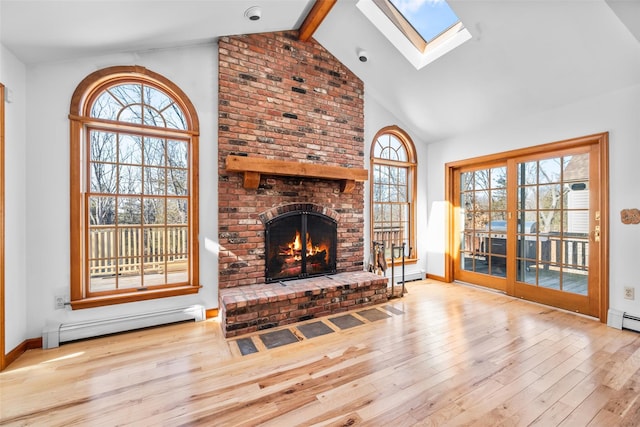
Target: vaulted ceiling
[525, 56]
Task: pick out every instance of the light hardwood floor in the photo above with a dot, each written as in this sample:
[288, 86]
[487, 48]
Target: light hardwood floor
[457, 355]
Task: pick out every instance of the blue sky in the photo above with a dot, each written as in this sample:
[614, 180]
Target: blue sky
[428, 17]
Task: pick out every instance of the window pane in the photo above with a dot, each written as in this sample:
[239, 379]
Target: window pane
[177, 240]
[402, 194]
[174, 117]
[481, 179]
[528, 197]
[549, 170]
[154, 244]
[482, 200]
[550, 221]
[499, 177]
[528, 173]
[549, 196]
[154, 181]
[499, 199]
[102, 146]
[152, 117]
[154, 151]
[101, 249]
[156, 99]
[177, 211]
[154, 211]
[177, 182]
[105, 107]
[128, 93]
[129, 210]
[102, 210]
[576, 168]
[130, 179]
[103, 177]
[130, 149]
[131, 114]
[466, 181]
[178, 154]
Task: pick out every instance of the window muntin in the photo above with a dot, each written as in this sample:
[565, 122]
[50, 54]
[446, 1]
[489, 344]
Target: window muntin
[393, 195]
[133, 221]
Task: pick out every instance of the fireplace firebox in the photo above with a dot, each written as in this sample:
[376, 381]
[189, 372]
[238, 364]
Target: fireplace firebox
[300, 244]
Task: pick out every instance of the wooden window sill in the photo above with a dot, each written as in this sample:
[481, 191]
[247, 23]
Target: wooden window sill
[133, 296]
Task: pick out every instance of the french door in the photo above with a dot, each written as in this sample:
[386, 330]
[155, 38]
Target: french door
[532, 223]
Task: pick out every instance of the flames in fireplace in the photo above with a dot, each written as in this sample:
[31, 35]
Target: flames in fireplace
[300, 245]
[294, 249]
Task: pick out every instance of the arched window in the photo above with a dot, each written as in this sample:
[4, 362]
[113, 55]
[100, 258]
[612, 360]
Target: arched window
[393, 191]
[134, 189]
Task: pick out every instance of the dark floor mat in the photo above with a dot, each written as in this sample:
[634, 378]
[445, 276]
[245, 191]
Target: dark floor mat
[278, 338]
[315, 329]
[346, 321]
[373, 314]
[246, 346]
[392, 309]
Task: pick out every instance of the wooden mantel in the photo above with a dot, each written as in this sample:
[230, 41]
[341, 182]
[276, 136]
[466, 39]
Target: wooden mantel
[254, 166]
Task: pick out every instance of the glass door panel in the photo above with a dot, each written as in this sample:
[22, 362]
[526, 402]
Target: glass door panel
[552, 227]
[483, 213]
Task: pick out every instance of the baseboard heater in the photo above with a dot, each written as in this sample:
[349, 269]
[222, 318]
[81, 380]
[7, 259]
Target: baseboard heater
[630, 322]
[621, 320]
[59, 332]
[410, 277]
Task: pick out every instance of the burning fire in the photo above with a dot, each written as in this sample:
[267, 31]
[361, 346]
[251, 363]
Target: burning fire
[295, 247]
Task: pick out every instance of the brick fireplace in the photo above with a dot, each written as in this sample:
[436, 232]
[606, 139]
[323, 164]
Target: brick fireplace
[291, 106]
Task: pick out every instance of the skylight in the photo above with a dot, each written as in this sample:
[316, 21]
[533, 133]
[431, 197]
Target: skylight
[428, 17]
[422, 30]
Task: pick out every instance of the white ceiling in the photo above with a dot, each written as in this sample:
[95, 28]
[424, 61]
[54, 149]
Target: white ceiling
[525, 56]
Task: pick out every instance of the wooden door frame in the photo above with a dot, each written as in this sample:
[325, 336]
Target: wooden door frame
[600, 169]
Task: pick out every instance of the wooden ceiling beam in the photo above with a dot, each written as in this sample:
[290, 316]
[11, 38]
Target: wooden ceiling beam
[318, 12]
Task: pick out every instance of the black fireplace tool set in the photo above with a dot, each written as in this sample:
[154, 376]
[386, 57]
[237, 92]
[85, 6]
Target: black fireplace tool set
[379, 264]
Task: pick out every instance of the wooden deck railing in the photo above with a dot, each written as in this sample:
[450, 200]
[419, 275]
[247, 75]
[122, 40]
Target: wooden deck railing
[131, 250]
[572, 250]
[389, 235]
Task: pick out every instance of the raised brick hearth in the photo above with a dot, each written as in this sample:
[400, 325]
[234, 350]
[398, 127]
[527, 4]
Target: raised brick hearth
[262, 306]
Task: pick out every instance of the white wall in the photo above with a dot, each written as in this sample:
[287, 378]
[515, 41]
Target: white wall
[12, 75]
[375, 118]
[50, 86]
[617, 113]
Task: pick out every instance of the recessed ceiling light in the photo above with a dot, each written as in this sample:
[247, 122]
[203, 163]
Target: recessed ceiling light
[253, 13]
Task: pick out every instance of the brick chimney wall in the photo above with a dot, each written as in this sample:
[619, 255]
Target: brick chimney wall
[280, 98]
